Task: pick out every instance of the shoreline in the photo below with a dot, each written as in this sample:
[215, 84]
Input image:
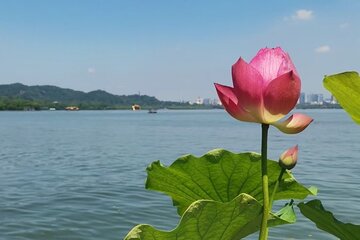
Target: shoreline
[309, 107]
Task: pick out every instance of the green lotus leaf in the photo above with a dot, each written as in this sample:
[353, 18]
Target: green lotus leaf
[326, 221]
[219, 175]
[346, 89]
[287, 213]
[208, 219]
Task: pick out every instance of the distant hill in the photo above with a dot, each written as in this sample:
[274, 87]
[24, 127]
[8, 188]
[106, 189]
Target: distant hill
[18, 96]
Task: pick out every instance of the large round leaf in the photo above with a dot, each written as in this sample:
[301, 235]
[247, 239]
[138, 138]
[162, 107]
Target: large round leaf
[208, 219]
[219, 175]
[346, 89]
[326, 221]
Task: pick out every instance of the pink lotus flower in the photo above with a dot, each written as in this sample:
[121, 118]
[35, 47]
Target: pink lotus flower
[265, 90]
[288, 159]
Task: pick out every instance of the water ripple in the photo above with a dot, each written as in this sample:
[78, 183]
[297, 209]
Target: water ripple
[82, 176]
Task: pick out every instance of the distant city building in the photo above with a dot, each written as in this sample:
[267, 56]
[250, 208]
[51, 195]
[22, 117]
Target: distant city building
[320, 98]
[217, 102]
[207, 101]
[302, 98]
[213, 102]
[314, 98]
[199, 100]
[311, 98]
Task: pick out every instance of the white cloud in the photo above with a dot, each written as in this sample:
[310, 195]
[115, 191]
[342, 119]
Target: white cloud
[91, 70]
[303, 15]
[323, 49]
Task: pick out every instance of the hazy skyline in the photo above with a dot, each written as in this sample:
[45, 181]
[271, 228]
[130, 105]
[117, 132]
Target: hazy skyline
[173, 50]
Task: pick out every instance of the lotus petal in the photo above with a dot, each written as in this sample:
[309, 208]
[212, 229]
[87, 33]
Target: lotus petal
[268, 61]
[248, 85]
[294, 124]
[231, 103]
[280, 96]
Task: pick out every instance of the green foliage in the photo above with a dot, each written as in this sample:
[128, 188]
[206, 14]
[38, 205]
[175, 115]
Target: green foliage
[220, 175]
[207, 219]
[18, 104]
[346, 89]
[287, 213]
[19, 97]
[326, 221]
[219, 196]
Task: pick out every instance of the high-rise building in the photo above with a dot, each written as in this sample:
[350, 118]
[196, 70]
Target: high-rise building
[207, 101]
[320, 98]
[199, 100]
[302, 98]
[315, 98]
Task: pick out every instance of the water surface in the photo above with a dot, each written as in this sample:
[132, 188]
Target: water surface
[80, 175]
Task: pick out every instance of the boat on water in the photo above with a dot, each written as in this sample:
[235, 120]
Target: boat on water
[136, 107]
[72, 108]
[152, 110]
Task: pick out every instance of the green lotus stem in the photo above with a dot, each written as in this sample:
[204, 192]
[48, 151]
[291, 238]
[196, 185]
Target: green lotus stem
[265, 182]
[276, 187]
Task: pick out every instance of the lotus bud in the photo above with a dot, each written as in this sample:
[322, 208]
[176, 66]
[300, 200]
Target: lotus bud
[288, 159]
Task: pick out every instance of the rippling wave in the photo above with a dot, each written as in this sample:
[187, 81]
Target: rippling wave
[80, 175]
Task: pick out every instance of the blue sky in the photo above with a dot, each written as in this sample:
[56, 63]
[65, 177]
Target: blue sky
[173, 50]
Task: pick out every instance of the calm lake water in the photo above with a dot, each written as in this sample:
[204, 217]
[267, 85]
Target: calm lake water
[80, 175]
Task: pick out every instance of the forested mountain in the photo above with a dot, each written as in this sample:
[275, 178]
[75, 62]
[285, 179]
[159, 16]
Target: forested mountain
[18, 96]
